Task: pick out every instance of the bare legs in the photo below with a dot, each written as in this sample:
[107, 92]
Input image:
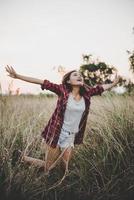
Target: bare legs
[33, 161]
[51, 158]
[67, 155]
[50, 155]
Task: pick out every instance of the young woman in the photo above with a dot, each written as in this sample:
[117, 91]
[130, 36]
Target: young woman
[66, 127]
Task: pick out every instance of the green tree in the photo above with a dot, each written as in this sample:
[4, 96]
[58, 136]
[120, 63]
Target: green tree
[131, 60]
[96, 72]
[130, 85]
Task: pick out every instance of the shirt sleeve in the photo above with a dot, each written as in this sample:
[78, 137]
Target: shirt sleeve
[98, 90]
[53, 87]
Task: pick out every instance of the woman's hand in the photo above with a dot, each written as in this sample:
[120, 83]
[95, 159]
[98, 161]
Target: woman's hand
[11, 71]
[117, 78]
[115, 82]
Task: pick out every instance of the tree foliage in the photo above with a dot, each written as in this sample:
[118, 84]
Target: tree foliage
[96, 72]
[130, 85]
[131, 60]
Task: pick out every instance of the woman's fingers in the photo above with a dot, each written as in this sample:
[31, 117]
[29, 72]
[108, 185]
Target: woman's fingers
[119, 78]
[8, 69]
[11, 71]
[116, 75]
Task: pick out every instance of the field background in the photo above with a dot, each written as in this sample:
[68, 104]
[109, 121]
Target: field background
[101, 169]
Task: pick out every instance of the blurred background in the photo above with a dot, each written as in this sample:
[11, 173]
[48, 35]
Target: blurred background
[45, 39]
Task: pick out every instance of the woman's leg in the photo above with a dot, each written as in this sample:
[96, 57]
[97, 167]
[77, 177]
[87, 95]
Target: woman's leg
[67, 155]
[33, 161]
[50, 155]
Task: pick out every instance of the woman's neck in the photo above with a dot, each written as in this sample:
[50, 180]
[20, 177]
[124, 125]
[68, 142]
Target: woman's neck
[75, 90]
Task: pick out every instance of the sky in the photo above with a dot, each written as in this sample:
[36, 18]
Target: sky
[37, 36]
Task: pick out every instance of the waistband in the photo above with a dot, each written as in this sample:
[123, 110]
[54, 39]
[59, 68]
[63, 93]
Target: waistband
[69, 132]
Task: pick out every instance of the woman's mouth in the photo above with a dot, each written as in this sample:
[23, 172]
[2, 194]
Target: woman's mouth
[79, 80]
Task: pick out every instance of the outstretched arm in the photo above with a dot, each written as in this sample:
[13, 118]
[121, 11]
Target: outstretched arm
[99, 89]
[45, 84]
[13, 74]
[111, 85]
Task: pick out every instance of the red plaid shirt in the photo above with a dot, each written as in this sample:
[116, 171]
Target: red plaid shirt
[52, 130]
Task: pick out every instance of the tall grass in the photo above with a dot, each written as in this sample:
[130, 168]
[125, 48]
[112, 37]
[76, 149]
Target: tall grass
[101, 168]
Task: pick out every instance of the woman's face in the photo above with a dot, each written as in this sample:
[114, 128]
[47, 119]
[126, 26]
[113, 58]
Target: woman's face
[76, 78]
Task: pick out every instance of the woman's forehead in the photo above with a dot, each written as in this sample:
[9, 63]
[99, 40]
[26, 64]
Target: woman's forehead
[76, 72]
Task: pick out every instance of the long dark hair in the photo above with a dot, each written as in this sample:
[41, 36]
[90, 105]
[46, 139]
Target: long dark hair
[66, 78]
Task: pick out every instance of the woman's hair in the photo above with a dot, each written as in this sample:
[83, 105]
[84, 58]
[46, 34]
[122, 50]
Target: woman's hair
[66, 78]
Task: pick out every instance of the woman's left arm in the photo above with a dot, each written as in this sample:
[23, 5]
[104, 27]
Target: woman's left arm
[111, 85]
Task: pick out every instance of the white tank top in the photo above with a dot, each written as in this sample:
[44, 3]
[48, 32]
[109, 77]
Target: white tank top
[73, 114]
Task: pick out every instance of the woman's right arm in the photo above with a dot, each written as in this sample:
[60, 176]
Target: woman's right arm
[45, 84]
[13, 74]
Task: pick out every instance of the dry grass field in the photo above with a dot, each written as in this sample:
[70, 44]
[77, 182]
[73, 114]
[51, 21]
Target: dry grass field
[101, 169]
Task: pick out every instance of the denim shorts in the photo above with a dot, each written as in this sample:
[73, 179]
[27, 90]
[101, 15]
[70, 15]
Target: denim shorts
[65, 139]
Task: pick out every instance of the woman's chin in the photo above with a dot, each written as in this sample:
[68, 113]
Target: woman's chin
[80, 83]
